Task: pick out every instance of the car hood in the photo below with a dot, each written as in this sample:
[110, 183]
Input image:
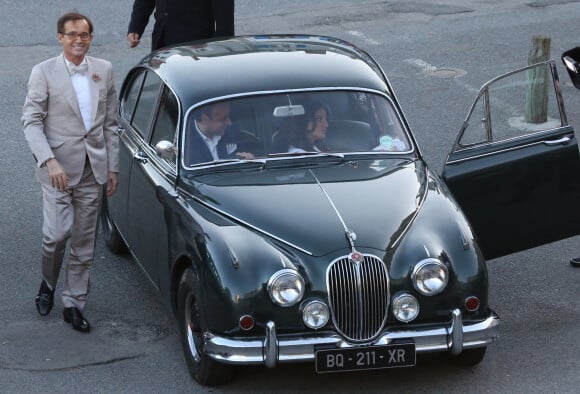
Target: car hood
[311, 207]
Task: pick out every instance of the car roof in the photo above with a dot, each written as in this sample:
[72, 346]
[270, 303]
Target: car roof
[204, 70]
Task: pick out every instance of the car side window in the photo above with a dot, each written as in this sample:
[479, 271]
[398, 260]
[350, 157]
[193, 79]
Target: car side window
[166, 123]
[514, 105]
[131, 95]
[145, 108]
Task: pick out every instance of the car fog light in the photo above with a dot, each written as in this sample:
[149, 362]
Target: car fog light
[430, 276]
[315, 314]
[405, 307]
[286, 287]
[246, 322]
[472, 303]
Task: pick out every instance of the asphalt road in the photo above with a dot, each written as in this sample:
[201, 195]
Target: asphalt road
[437, 54]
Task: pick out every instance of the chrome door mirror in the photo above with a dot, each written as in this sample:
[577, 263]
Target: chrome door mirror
[571, 60]
[166, 150]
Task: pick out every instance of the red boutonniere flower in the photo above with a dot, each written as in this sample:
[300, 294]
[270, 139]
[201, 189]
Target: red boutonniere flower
[96, 77]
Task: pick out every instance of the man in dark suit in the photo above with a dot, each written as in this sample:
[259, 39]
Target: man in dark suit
[211, 136]
[179, 21]
[70, 123]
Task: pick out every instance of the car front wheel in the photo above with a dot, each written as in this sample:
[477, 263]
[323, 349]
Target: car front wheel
[202, 368]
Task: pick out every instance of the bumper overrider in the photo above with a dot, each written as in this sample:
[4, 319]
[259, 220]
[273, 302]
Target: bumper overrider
[272, 350]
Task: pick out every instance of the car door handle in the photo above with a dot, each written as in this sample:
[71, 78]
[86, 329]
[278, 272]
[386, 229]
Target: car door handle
[140, 157]
[561, 141]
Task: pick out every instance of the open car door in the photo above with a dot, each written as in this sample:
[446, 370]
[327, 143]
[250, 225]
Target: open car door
[515, 167]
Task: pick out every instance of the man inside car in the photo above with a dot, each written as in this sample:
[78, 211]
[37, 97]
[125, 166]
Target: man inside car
[211, 136]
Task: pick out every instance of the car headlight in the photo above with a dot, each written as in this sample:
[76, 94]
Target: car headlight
[315, 314]
[430, 276]
[286, 287]
[405, 307]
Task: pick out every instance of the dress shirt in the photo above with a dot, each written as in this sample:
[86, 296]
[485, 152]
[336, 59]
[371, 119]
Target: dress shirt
[211, 142]
[80, 82]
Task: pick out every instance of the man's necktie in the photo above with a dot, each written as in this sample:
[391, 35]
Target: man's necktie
[80, 69]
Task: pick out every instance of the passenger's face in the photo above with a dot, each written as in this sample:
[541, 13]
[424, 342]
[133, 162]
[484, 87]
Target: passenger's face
[218, 121]
[75, 48]
[319, 125]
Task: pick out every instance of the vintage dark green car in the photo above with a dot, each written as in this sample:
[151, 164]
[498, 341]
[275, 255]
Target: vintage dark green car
[272, 192]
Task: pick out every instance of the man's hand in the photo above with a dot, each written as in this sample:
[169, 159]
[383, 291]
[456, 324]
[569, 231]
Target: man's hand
[112, 182]
[58, 177]
[245, 155]
[133, 39]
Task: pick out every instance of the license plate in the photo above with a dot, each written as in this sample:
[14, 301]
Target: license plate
[361, 358]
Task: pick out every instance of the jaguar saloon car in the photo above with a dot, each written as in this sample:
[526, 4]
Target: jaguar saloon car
[273, 194]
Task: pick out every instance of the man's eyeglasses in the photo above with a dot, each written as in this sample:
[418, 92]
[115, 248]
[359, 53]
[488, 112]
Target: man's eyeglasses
[73, 35]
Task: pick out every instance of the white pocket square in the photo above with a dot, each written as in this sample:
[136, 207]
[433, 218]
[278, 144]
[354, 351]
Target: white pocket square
[231, 148]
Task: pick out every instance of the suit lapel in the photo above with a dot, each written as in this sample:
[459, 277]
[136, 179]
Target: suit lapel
[94, 87]
[221, 149]
[227, 147]
[197, 150]
[63, 77]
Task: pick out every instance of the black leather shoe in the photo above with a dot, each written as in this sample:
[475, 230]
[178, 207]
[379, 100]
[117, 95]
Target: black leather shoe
[575, 261]
[44, 300]
[74, 316]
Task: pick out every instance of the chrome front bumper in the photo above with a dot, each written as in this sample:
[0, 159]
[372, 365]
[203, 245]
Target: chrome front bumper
[272, 350]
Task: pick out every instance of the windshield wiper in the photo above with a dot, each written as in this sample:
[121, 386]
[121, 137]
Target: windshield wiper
[301, 159]
[276, 160]
[299, 154]
[229, 165]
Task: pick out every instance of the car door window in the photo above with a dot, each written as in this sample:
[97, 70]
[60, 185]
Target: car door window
[512, 106]
[129, 99]
[145, 109]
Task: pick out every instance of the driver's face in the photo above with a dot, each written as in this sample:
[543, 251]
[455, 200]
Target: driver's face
[218, 120]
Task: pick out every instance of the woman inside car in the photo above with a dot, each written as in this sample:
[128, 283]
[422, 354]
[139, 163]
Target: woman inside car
[311, 129]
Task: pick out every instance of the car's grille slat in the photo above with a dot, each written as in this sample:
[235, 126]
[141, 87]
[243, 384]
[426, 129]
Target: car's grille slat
[359, 296]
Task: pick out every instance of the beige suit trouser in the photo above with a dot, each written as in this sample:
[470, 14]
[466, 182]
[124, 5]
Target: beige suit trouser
[71, 214]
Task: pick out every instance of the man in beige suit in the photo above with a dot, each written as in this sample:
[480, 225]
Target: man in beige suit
[69, 120]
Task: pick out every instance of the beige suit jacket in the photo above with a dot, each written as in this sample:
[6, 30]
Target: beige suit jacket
[53, 125]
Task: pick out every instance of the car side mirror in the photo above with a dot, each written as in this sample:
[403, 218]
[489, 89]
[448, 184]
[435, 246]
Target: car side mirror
[571, 60]
[166, 150]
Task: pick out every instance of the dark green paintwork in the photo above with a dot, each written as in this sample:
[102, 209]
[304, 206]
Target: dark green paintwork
[399, 211]
[238, 226]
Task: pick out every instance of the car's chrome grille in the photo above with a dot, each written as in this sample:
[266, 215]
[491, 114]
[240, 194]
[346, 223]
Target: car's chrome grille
[358, 294]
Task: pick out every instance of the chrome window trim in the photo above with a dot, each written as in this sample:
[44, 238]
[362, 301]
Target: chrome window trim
[495, 152]
[484, 92]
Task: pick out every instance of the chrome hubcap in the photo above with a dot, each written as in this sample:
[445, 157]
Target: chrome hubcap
[192, 334]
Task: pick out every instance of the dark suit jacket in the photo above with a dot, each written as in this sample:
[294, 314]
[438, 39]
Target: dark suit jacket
[179, 21]
[196, 150]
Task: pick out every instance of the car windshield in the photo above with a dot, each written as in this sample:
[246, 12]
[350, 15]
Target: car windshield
[292, 125]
